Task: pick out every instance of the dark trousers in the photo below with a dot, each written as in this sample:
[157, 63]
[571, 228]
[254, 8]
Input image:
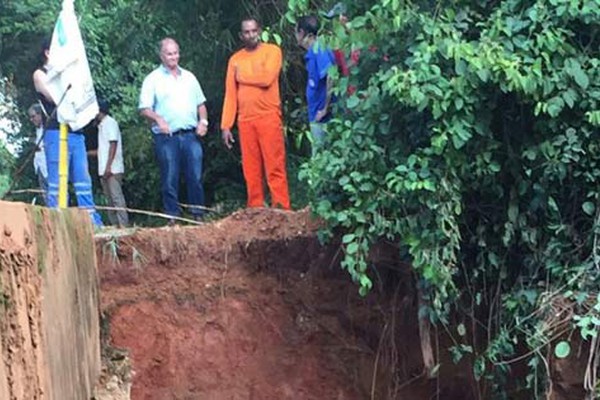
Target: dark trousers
[176, 152]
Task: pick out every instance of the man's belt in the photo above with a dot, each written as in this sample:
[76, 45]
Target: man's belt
[183, 131]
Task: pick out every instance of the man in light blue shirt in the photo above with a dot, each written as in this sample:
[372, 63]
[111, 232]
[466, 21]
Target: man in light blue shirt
[172, 99]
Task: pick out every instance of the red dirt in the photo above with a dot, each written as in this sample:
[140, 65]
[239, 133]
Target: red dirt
[205, 316]
[253, 307]
[250, 307]
[20, 287]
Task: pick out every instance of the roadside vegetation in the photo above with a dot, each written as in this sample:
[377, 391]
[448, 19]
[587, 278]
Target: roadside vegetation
[471, 143]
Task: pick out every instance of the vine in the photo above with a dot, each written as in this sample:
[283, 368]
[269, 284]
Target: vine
[471, 142]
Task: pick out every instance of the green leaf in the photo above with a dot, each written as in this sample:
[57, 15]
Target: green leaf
[366, 282]
[562, 349]
[555, 106]
[530, 295]
[462, 331]
[352, 248]
[349, 237]
[460, 136]
[513, 213]
[363, 291]
[366, 187]
[493, 259]
[458, 103]
[483, 74]
[478, 368]
[428, 185]
[588, 208]
[460, 67]
[552, 204]
[581, 78]
[360, 217]
[570, 97]
[352, 101]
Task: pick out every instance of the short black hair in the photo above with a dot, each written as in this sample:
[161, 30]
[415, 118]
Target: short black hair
[44, 46]
[103, 106]
[309, 24]
[250, 18]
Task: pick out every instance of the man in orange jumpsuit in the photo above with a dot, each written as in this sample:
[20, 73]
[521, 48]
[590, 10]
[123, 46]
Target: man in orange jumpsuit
[252, 92]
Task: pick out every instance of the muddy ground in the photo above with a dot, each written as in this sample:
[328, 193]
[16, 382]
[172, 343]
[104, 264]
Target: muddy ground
[253, 307]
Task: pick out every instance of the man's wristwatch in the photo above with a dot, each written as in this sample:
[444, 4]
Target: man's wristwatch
[204, 121]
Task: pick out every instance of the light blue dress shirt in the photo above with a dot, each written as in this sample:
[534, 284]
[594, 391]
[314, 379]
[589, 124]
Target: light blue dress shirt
[176, 99]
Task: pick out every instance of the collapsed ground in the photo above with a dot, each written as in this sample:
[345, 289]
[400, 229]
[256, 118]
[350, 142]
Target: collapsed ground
[253, 307]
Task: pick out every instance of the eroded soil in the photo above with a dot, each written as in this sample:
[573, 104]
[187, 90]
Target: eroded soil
[229, 311]
[253, 307]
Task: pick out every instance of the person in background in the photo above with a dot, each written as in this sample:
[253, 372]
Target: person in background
[252, 93]
[39, 159]
[318, 60]
[78, 170]
[110, 165]
[172, 99]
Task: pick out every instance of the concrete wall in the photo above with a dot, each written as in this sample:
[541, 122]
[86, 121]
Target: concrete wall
[49, 321]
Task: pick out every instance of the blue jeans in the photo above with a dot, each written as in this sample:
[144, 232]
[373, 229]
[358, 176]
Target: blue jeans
[173, 153]
[318, 131]
[78, 172]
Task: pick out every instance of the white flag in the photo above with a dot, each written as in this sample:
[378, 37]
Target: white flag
[69, 72]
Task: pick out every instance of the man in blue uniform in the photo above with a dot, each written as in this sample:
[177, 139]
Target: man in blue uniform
[319, 59]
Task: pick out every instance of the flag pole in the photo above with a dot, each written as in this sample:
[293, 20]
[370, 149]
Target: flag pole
[63, 171]
[69, 67]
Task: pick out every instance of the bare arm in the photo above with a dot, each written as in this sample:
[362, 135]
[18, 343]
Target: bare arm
[202, 128]
[157, 119]
[112, 151]
[39, 82]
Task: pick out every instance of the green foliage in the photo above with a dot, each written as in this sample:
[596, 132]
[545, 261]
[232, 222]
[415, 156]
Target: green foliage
[472, 142]
[6, 164]
[121, 38]
[562, 349]
[8, 126]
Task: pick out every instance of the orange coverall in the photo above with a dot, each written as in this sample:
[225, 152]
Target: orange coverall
[252, 92]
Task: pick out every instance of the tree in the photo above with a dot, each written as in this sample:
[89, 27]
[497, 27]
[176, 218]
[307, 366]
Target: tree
[8, 127]
[121, 40]
[472, 143]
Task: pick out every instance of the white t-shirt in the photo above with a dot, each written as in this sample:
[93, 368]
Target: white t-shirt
[108, 131]
[39, 159]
